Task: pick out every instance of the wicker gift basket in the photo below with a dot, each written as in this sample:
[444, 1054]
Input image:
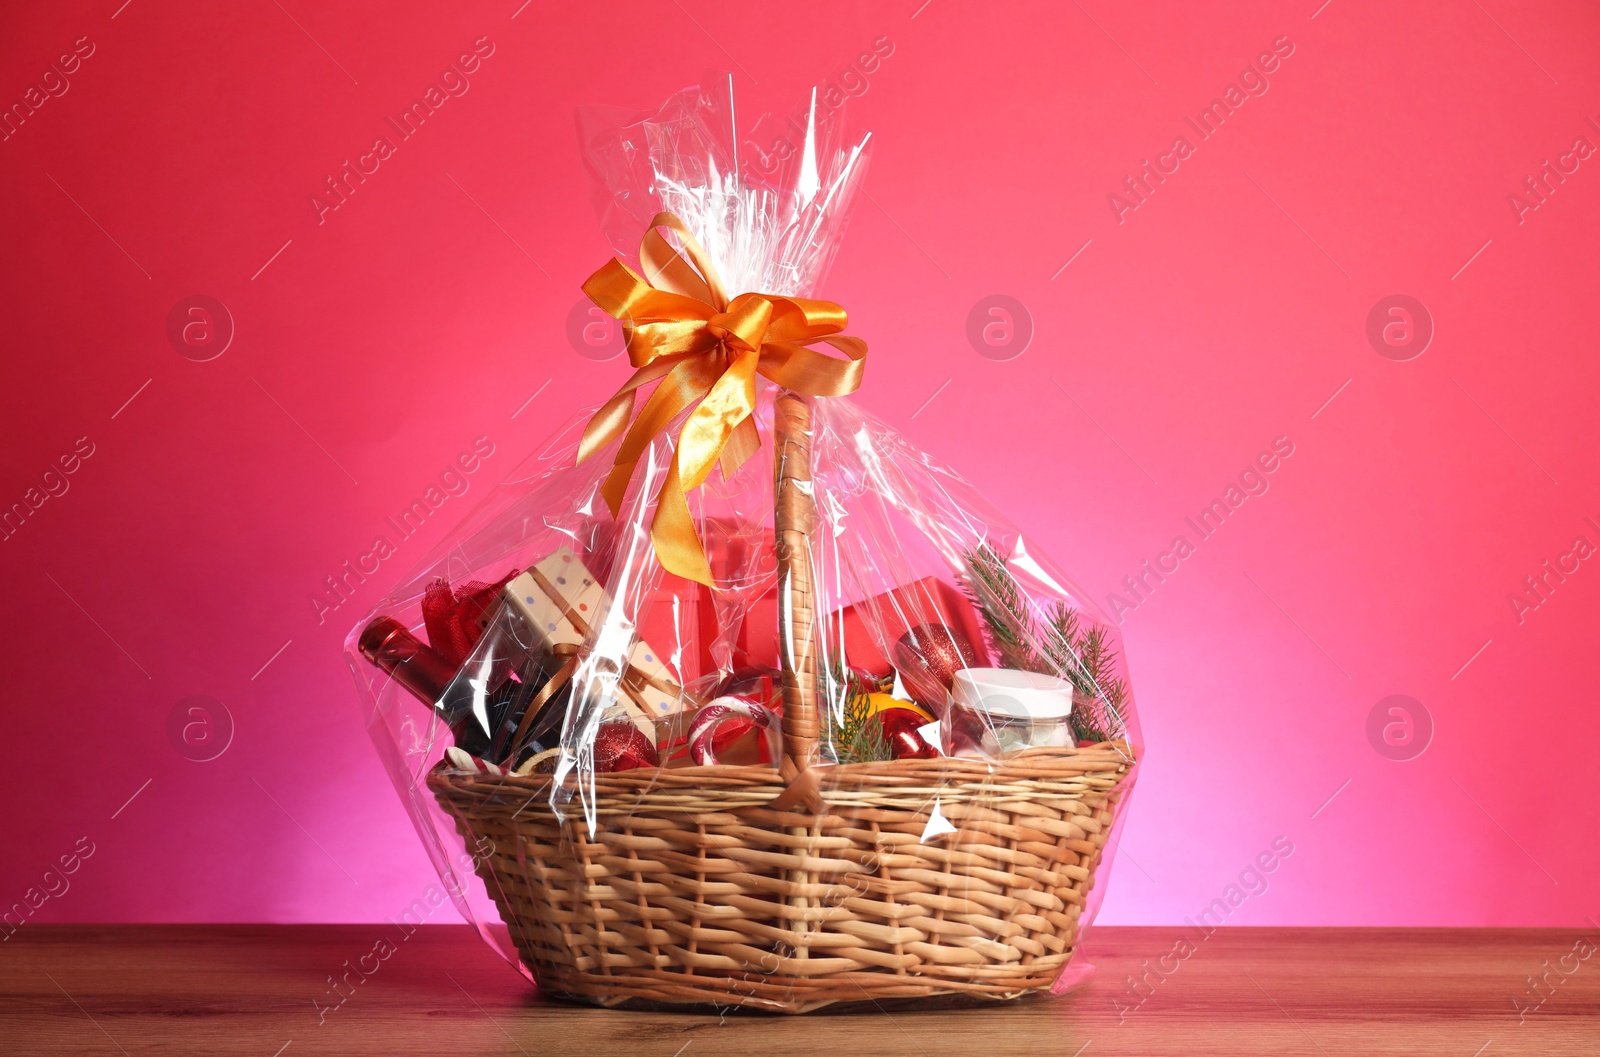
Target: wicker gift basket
[805, 887]
[833, 733]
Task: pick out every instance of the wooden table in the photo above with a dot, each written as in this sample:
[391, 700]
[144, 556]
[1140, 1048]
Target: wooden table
[255, 990]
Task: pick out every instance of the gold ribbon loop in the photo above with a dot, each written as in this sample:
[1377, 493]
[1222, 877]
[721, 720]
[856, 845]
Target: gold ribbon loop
[706, 351]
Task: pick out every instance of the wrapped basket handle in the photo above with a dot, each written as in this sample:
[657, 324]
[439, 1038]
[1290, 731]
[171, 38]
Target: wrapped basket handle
[794, 517]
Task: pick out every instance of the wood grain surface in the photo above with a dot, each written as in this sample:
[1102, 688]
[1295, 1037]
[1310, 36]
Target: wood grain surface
[256, 990]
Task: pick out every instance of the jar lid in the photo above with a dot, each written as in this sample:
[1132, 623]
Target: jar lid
[1009, 692]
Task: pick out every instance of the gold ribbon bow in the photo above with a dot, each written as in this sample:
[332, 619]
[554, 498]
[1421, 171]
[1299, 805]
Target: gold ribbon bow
[682, 329]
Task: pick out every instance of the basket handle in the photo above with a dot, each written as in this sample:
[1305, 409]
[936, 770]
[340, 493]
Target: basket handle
[794, 517]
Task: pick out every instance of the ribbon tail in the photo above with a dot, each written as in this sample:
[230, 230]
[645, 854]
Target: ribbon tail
[743, 442]
[701, 445]
[709, 426]
[685, 383]
[607, 424]
[673, 531]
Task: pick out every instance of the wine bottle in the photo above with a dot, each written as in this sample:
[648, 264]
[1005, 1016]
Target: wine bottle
[420, 669]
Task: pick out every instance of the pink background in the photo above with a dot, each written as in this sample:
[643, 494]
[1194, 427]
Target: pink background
[1227, 310]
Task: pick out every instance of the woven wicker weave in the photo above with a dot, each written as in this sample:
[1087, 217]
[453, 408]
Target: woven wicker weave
[807, 887]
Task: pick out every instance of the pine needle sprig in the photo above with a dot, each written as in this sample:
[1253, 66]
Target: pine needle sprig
[1096, 677]
[998, 596]
[1062, 647]
[851, 738]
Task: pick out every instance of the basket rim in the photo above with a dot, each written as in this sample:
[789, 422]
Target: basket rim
[1108, 759]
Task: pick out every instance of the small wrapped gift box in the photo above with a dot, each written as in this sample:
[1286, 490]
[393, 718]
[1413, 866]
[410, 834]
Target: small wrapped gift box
[559, 599]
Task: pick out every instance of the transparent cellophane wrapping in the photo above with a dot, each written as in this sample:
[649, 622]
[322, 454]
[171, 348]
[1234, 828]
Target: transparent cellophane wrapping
[901, 547]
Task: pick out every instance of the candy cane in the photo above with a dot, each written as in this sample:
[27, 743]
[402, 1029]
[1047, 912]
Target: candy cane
[708, 723]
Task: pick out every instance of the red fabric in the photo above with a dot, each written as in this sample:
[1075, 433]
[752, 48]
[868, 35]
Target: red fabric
[455, 619]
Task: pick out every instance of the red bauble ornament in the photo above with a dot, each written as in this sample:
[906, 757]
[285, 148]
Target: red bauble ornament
[928, 657]
[622, 747]
[963, 730]
[900, 730]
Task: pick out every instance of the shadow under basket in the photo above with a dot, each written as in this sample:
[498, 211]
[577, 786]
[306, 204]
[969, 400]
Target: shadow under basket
[693, 892]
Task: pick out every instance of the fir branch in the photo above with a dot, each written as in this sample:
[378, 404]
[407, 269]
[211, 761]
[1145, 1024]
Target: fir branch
[851, 737]
[1064, 647]
[998, 597]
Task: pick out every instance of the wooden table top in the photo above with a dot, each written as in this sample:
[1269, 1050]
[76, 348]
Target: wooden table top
[256, 990]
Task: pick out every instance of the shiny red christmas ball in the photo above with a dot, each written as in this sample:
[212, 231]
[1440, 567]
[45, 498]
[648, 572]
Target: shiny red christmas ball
[900, 730]
[622, 747]
[928, 657]
[964, 730]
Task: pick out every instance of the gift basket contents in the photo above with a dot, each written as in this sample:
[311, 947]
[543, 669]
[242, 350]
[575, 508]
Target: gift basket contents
[729, 695]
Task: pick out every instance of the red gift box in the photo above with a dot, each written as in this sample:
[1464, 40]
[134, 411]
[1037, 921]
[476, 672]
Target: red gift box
[742, 557]
[869, 628]
[677, 620]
